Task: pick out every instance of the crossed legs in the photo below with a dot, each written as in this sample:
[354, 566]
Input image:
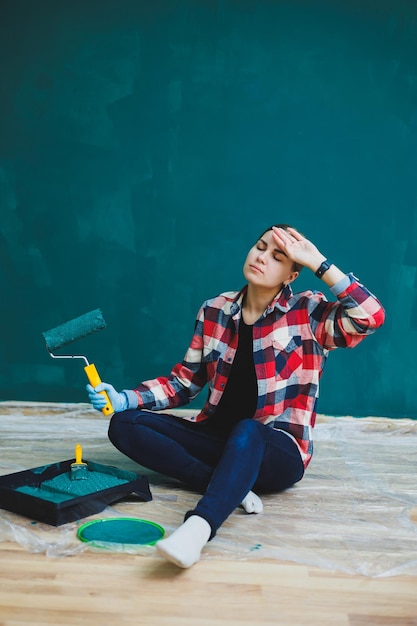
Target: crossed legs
[224, 470]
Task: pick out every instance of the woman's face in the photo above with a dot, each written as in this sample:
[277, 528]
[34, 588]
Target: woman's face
[266, 266]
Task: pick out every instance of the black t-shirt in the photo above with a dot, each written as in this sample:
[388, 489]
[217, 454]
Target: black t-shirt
[240, 396]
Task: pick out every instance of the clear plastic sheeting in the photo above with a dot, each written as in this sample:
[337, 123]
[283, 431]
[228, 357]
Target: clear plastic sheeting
[354, 511]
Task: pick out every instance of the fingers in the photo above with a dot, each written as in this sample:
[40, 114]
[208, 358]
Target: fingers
[283, 240]
[98, 402]
[294, 233]
[289, 236]
[104, 387]
[97, 399]
[101, 387]
[279, 236]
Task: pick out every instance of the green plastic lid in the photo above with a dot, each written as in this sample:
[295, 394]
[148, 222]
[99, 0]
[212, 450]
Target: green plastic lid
[120, 530]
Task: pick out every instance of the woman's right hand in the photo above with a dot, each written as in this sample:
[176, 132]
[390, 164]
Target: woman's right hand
[98, 400]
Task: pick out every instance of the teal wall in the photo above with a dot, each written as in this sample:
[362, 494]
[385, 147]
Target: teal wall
[145, 145]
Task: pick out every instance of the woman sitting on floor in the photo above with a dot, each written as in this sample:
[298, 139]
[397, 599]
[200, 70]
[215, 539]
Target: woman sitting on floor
[261, 351]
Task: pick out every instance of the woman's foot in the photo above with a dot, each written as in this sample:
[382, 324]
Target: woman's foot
[252, 503]
[183, 547]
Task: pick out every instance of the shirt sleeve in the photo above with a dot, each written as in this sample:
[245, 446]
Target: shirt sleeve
[346, 322]
[342, 285]
[185, 381]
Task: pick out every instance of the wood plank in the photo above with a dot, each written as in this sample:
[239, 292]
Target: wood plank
[93, 589]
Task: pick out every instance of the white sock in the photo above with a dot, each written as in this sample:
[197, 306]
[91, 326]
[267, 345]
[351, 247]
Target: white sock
[183, 547]
[252, 503]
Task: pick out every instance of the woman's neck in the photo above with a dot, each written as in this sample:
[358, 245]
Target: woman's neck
[255, 303]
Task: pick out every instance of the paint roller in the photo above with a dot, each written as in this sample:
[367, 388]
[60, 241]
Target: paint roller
[71, 331]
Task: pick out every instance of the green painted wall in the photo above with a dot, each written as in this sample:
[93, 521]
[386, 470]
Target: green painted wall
[143, 147]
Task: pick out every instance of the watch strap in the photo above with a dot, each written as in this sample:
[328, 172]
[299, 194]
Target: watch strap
[323, 268]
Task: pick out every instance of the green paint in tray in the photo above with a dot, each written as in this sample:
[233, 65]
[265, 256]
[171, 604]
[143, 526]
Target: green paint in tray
[62, 488]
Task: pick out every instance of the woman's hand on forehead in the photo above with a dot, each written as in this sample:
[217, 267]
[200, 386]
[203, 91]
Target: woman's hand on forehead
[297, 247]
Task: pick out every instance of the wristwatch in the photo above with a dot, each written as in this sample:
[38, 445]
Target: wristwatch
[323, 268]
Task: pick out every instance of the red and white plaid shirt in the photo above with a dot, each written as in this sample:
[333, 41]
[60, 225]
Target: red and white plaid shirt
[291, 342]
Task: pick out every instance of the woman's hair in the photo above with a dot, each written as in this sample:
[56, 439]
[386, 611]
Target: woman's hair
[296, 266]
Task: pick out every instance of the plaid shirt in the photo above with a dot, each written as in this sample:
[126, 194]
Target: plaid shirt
[291, 342]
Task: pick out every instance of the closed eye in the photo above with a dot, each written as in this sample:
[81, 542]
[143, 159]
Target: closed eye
[277, 254]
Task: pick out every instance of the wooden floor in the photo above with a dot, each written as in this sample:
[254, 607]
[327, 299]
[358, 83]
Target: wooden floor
[105, 588]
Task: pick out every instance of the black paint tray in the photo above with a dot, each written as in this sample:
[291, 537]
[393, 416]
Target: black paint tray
[42, 507]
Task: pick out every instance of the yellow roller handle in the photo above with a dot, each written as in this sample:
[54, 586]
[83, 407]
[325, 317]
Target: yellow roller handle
[94, 380]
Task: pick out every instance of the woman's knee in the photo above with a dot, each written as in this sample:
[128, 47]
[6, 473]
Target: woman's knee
[116, 429]
[121, 424]
[247, 431]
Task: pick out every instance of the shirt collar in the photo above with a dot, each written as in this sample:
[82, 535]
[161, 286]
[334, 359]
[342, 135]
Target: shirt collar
[281, 302]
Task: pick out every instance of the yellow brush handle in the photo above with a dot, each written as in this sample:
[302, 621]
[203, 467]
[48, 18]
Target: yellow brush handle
[94, 379]
[78, 454]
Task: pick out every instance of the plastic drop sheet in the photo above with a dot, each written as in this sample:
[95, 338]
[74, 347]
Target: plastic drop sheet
[354, 511]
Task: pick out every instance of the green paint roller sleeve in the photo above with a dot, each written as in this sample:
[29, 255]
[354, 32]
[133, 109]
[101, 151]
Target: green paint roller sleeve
[74, 329]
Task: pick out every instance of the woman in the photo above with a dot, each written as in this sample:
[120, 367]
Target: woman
[262, 352]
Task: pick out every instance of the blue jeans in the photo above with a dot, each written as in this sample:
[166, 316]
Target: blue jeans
[224, 468]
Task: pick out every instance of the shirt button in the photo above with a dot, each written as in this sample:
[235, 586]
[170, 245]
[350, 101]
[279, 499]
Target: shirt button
[222, 385]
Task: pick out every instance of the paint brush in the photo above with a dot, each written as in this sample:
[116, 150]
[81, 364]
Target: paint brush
[79, 470]
[71, 331]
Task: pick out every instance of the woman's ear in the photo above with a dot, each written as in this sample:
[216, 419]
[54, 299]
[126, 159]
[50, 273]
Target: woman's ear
[291, 278]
